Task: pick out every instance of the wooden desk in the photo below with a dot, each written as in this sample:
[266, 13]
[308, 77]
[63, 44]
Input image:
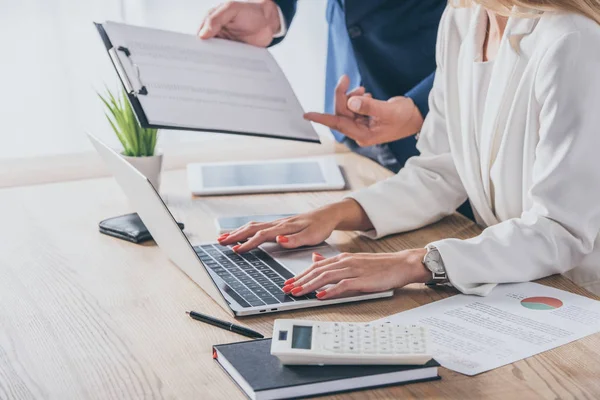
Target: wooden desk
[84, 315]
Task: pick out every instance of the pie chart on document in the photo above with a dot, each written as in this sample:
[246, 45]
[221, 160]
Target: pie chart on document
[541, 303]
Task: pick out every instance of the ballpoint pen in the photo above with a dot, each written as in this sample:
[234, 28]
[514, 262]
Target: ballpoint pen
[225, 325]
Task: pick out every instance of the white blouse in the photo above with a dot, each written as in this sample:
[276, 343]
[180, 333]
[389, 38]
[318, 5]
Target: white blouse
[482, 76]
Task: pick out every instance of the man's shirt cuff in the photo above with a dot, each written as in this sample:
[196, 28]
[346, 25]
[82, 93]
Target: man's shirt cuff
[283, 29]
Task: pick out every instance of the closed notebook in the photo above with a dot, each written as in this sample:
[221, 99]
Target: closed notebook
[261, 376]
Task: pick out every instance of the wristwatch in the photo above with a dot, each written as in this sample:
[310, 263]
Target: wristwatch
[433, 262]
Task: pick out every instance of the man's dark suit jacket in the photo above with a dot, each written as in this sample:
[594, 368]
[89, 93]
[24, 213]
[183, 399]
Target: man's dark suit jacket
[394, 46]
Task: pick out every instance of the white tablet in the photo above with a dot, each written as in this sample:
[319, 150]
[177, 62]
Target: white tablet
[290, 175]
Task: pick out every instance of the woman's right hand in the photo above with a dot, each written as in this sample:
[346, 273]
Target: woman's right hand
[306, 229]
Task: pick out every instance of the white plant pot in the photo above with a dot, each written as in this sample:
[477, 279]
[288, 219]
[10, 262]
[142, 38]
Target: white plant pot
[150, 167]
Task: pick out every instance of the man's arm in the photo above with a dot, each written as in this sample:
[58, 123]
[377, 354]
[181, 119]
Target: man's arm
[288, 10]
[420, 94]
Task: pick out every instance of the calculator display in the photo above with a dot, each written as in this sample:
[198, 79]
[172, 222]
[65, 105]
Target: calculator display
[301, 337]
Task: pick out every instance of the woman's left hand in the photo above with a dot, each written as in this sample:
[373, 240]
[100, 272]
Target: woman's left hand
[360, 273]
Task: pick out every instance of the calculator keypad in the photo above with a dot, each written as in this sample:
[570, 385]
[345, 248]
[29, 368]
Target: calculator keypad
[381, 338]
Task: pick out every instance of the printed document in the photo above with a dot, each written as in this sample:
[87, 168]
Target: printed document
[471, 334]
[215, 84]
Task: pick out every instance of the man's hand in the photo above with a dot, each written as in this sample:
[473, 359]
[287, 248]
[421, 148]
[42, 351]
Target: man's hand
[369, 121]
[253, 22]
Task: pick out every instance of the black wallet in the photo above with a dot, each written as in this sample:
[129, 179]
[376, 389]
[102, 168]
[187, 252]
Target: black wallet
[127, 227]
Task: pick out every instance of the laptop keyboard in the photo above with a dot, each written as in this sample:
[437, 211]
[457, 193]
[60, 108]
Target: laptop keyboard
[254, 278]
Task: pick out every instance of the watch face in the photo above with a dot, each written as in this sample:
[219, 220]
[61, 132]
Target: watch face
[433, 261]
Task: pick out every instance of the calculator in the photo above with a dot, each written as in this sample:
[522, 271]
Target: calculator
[300, 342]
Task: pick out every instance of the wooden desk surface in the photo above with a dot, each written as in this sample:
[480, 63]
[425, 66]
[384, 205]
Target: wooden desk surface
[83, 315]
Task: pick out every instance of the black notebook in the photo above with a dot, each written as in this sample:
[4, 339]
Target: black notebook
[261, 376]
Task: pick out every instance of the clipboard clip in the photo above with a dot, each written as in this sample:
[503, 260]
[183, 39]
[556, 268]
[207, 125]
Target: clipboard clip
[139, 88]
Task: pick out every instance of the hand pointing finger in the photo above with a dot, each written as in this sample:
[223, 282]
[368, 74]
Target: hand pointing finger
[366, 105]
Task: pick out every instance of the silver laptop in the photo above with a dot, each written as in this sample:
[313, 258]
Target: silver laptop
[243, 284]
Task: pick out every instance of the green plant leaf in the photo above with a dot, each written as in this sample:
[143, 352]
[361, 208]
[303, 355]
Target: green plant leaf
[136, 141]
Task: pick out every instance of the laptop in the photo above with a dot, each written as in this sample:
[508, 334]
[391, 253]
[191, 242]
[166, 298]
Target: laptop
[242, 284]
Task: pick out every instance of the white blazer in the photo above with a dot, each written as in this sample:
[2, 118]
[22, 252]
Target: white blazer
[543, 117]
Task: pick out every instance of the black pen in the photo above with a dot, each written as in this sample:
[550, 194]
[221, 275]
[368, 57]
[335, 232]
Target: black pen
[225, 325]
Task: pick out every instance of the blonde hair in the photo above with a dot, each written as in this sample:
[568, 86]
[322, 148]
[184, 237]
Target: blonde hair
[588, 8]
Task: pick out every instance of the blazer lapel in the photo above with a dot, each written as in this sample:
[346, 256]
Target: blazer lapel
[508, 66]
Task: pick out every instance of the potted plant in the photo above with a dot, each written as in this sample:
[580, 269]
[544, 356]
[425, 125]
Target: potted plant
[139, 144]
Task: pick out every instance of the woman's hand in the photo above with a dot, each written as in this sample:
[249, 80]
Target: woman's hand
[360, 273]
[306, 229]
[369, 121]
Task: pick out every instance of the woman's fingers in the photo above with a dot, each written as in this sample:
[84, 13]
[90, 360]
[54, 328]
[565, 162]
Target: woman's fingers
[309, 236]
[318, 262]
[318, 271]
[316, 257]
[265, 235]
[333, 273]
[344, 286]
[243, 233]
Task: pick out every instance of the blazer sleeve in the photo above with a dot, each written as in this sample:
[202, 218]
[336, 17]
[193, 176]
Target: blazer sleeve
[420, 94]
[428, 188]
[562, 224]
[288, 9]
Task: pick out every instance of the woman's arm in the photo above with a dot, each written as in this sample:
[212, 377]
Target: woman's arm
[428, 187]
[563, 222]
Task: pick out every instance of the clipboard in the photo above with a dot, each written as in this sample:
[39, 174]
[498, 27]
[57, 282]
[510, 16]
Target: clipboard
[238, 116]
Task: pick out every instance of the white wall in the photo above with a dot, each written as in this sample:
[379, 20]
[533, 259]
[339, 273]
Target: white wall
[53, 62]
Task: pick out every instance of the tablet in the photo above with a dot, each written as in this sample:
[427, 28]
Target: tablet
[290, 175]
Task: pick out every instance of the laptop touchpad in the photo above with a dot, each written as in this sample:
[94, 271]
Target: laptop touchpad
[297, 260]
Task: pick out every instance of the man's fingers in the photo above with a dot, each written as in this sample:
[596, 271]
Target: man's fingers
[359, 91]
[366, 105]
[208, 14]
[346, 125]
[341, 97]
[328, 120]
[219, 18]
[351, 127]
